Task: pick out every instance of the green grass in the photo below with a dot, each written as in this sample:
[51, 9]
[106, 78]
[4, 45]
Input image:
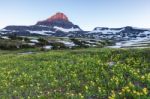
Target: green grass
[76, 74]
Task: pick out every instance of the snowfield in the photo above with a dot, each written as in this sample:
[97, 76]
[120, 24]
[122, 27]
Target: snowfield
[139, 42]
[66, 30]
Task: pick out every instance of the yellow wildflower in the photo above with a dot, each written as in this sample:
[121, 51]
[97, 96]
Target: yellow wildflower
[145, 91]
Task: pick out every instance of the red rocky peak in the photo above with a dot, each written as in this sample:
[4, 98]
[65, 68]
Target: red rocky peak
[58, 16]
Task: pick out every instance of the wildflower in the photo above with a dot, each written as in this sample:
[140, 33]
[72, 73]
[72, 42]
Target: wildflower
[67, 93]
[22, 86]
[99, 89]
[72, 94]
[143, 77]
[130, 84]
[145, 91]
[14, 91]
[120, 93]
[128, 90]
[92, 83]
[134, 92]
[138, 93]
[112, 96]
[86, 87]
[81, 96]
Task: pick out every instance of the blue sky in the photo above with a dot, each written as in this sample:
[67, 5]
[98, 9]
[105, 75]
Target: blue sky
[88, 14]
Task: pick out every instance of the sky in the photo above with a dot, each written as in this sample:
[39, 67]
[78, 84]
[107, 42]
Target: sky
[88, 14]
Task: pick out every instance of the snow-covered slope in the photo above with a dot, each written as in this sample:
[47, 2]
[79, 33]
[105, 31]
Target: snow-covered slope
[103, 30]
[119, 33]
[138, 42]
[67, 30]
[59, 25]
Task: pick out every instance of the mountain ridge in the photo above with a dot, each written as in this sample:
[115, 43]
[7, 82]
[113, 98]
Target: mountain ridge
[59, 25]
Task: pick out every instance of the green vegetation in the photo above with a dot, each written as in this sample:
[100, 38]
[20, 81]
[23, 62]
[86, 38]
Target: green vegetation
[80, 43]
[76, 74]
[14, 42]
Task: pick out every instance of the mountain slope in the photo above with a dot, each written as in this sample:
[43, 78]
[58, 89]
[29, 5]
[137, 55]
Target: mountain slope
[57, 25]
[124, 33]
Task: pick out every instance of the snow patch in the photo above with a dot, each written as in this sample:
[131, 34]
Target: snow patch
[5, 37]
[106, 31]
[132, 43]
[47, 47]
[66, 30]
[40, 32]
[68, 44]
[34, 41]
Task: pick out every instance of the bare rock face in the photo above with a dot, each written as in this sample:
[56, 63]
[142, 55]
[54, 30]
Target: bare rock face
[58, 16]
[59, 20]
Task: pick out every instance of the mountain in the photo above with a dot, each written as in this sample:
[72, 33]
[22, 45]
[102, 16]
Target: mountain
[56, 25]
[59, 25]
[124, 33]
[59, 20]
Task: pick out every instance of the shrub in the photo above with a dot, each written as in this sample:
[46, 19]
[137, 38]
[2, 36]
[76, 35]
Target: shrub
[15, 37]
[26, 39]
[13, 45]
[6, 45]
[58, 45]
[80, 44]
[26, 46]
[42, 42]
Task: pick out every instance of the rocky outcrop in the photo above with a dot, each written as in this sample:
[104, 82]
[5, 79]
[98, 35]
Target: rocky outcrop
[59, 20]
[58, 16]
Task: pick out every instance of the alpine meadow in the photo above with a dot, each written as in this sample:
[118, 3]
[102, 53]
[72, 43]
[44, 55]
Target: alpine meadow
[74, 49]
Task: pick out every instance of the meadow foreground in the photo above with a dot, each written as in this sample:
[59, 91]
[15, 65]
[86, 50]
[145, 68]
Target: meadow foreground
[76, 74]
